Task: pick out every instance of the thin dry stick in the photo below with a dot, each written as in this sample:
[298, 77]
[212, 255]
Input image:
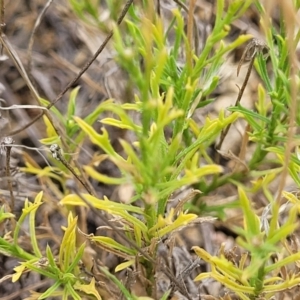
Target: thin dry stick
[2, 24]
[189, 269]
[8, 141]
[15, 106]
[56, 153]
[84, 177]
[254, 47]
[31, 40]
[196, 35]
[242, 154]
[190, 25]
[158, 8]
[82, 71]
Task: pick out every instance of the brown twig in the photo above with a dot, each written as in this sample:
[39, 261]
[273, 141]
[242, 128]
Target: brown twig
[158, 8]
[57, 154]
[240, 165]
[7, 142]
[31, 40]
[81, 72]
[2, 23]
[190, 27]
[254, 47]
[186, 9]
[182, 5]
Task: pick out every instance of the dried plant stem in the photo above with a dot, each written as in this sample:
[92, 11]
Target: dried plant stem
[195, 31]
[81, 72]
[84, 178]
[242, 154]
[31, 40]
[239, 97]
[190, 25]
[254, 47]
[7, 143]
[2, 23]
[158, 8]
[56, 153]
[182, 5]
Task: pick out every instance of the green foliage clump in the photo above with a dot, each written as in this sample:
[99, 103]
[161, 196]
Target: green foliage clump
[170, 152]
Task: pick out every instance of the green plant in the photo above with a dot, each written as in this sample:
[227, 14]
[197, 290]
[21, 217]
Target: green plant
[272, 129]
[64, 270]
[169, 153]
[255, 274]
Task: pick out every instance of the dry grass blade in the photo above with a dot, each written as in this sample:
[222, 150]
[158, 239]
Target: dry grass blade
[31, 40]
[193, 30]
[7, 143]
[2, 23]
